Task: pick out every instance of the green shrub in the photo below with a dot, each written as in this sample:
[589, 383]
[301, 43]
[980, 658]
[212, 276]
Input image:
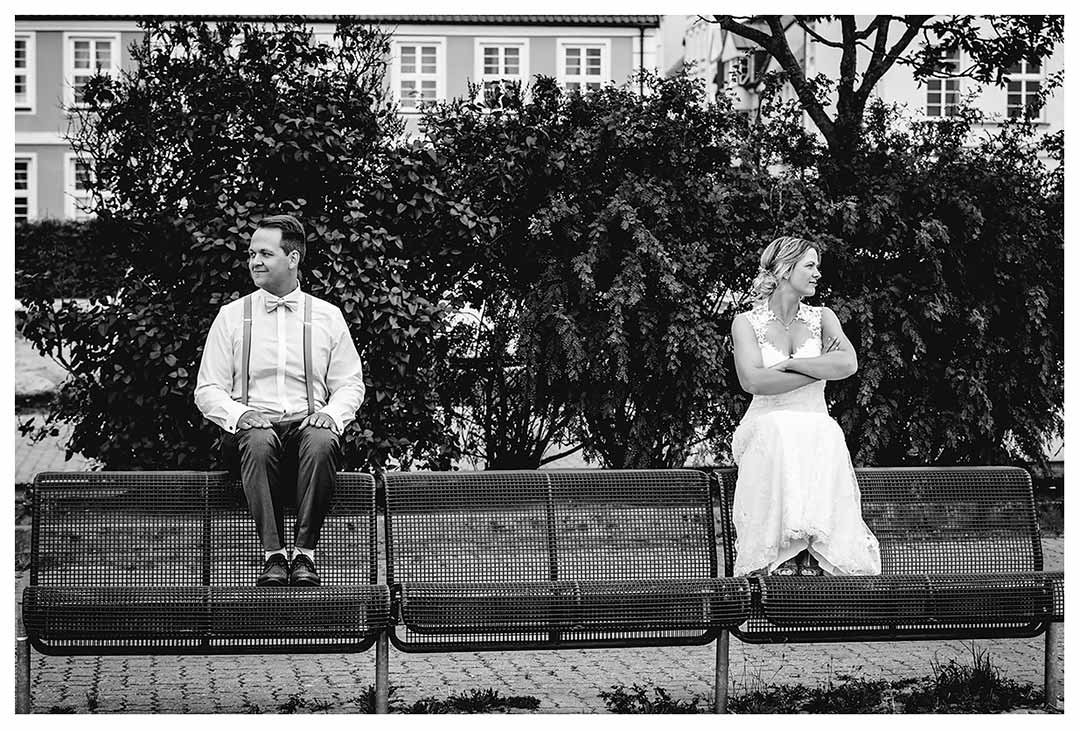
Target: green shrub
[217, 126]
[67, 259]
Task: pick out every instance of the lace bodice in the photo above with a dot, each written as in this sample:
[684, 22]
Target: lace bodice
[809, 397]
[759, 318]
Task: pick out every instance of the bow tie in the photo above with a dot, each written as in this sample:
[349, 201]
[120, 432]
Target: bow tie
[272, 304]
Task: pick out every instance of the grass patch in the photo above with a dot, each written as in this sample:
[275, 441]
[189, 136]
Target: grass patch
[649, 699]
[977, 687]
[471, 702]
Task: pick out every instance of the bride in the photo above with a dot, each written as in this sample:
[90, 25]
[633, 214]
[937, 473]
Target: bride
[796, 509]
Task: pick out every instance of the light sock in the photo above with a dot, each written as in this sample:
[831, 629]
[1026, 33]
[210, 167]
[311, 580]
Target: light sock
[309, 552]
[279, 551]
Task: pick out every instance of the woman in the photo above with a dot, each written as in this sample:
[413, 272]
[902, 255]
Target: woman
[796, 509]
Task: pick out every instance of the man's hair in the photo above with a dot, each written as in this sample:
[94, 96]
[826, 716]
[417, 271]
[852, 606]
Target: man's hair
[292, 233]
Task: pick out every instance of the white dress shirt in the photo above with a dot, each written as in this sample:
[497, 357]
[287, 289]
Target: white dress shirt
[276, 385]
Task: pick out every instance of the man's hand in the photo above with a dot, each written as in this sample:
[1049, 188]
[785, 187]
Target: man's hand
[320, 420]
[252, 419]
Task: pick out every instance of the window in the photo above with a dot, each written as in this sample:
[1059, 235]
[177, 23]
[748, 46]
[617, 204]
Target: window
[24, 72]
[1025, 81]
[419, 72]
[500, 64]
[583, 65]
[943, 95]
[25, 188]
[77, 198]
[85, 55]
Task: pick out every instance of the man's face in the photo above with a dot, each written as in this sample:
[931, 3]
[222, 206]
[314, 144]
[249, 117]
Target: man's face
[271, 268]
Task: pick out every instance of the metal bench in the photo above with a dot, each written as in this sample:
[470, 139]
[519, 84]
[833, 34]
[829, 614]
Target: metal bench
[165, 563]
[961, 559]
[555, 560]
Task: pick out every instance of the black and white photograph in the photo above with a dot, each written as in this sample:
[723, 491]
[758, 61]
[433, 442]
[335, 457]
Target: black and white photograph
[537, 364]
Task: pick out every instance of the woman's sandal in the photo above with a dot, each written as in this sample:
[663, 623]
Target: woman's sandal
[787, 568]
[808, 566]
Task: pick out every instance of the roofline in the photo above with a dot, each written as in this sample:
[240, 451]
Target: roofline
[616, 21]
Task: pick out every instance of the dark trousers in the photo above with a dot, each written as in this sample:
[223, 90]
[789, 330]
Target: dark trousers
[282, 465]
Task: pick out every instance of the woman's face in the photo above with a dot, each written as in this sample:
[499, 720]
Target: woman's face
[805, 274]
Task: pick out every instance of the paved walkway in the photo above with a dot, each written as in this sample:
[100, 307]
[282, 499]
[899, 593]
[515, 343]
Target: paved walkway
[48, 454]
[563, 681]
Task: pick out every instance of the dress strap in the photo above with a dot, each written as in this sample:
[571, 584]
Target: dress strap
[811, 317]
[759, 319]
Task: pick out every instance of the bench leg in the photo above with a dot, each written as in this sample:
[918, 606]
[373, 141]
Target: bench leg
[382, 673]
[1051, 667]
[22, 675]
[720, 700]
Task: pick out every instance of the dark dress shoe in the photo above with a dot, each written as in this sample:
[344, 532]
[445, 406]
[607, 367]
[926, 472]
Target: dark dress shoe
[275, 572]
[303, 572]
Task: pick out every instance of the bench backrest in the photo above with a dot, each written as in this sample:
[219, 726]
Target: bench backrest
[939, 519]
[548, 525]
[180, 528]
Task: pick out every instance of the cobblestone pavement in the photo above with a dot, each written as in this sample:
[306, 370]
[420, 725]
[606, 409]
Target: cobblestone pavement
[33, 457]
[563, 681]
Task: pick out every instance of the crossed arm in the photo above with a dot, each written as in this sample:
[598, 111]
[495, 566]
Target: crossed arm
[836, 362]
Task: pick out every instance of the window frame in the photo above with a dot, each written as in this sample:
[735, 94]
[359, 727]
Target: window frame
[71, 198]
[943, 104]
[397, 76]
[31, 81]
[1024, 77]
[69, 60]
[479, 75]
[563, 78]
[31, 183]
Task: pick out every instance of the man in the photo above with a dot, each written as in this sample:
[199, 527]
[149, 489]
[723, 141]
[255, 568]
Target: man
[281, 375]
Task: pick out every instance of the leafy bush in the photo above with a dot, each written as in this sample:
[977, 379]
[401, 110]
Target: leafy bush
[68, 259]
[617, 219]
[606, 241]
[218, 126]
[943, 261]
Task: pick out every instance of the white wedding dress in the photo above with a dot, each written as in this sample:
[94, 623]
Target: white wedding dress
[796, 487]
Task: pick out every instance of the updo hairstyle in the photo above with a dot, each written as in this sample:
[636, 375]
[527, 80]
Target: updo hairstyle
[777, 261]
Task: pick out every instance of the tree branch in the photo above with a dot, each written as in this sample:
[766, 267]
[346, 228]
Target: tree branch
[780, 50]
[554, 457]
[815, 35]
[881, 40]
[873, 26]
[847, 64]
[728, 23]
[874, 72]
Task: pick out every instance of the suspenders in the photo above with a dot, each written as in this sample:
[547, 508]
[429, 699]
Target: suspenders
[245, 356]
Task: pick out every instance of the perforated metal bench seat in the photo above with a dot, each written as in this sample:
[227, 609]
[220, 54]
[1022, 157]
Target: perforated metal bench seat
[574, 606]
[165, 563]
[555, 559]
[193, 620]
[961, 558]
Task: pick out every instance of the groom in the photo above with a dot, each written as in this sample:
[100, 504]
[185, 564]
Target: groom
[281, 375]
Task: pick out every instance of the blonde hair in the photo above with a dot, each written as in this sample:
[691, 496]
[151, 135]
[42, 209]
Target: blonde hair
[777, 261]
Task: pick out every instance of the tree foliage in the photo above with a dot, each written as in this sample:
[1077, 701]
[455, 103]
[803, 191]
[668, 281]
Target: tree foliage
[991, 44]
[217, 126]
[556, 269]
[944, 263]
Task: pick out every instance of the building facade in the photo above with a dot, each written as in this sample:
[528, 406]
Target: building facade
[432, 58]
